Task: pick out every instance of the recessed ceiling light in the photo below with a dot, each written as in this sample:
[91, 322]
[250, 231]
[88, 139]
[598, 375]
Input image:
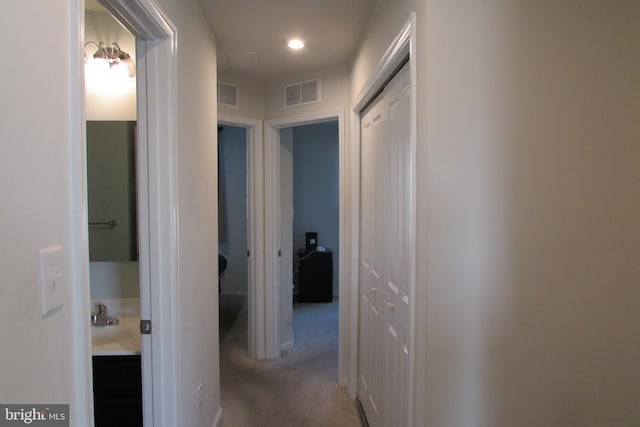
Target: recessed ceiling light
[296, 44]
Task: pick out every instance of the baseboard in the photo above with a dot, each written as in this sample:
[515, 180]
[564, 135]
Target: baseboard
[361, 414]
[243, 293]
[217, 422]
[286, 346]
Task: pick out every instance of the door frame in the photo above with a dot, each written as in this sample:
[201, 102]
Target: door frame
[255, 223]
[403, 46]
[272, 229]
[156, 51]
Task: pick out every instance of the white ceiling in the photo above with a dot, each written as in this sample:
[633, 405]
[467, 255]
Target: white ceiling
[254, 33]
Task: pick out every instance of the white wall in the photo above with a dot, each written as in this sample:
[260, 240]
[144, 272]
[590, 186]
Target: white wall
[233, 167]
[315, 188]
[265, 100]
[114, 280]
[109, 103]
[43, 359]
[41, 177]
[197, 213]
[528, 124]
[386, 21]
[334, 86]
[251, 96]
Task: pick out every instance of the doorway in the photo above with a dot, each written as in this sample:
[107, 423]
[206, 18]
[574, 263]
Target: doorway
[279, 292]
[112, 194]
[254, 222]
[157, 240]
[232, 226]
[309, 233]
[314, 227]
[316, 198]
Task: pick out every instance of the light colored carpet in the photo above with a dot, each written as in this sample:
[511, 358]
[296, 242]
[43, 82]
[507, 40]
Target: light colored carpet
[229, 307]
[300, 389]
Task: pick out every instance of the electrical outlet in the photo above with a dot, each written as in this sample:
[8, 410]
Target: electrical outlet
[199, 396]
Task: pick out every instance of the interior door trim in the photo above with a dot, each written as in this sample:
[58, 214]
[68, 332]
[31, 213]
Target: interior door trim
[272, 220]
[255, 227]
[157, 119]
[402, 47]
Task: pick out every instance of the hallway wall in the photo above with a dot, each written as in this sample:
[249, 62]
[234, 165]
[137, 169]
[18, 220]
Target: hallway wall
[334, 93]
[45, 356]
[250, 93]
[265, 100]
[196, 212]
[528, 207]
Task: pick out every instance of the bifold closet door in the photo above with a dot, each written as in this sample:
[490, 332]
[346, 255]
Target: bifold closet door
[385, 254]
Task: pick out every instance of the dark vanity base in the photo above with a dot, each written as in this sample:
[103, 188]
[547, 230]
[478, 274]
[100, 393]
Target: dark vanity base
[117, 391]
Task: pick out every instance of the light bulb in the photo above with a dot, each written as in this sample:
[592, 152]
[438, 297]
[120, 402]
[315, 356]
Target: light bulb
[96, 70]
[296, 44]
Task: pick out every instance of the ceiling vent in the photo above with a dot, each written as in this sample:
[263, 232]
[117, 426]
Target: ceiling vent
[228, 94]
[238, 61]
[302, 93]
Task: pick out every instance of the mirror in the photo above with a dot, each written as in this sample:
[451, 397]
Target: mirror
[111, 180]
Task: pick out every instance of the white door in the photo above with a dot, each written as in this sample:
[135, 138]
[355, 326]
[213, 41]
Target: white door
[385, 254]
[144, 236]
[286, 239]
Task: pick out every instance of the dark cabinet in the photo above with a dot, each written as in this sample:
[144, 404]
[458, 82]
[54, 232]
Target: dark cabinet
[117, 391]
[314, 278]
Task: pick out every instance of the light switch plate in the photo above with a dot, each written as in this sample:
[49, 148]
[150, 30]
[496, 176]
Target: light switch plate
[52, 280]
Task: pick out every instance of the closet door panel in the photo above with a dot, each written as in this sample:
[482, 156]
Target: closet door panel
[370, 375]
[385, 254]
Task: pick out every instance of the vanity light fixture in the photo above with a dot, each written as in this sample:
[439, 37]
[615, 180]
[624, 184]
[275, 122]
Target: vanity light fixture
[109, 61]
[296, 44]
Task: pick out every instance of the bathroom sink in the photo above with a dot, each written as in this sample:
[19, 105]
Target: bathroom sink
[101, 335]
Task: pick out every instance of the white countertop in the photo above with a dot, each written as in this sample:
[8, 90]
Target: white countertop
[127, 345]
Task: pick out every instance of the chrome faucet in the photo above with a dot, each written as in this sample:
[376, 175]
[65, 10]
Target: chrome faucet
[102, 318]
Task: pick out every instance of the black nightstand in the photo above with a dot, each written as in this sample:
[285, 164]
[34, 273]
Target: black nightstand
[315, 276]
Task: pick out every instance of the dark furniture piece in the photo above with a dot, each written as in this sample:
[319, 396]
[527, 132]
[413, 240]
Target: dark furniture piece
[117, 391]
[314, 278]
